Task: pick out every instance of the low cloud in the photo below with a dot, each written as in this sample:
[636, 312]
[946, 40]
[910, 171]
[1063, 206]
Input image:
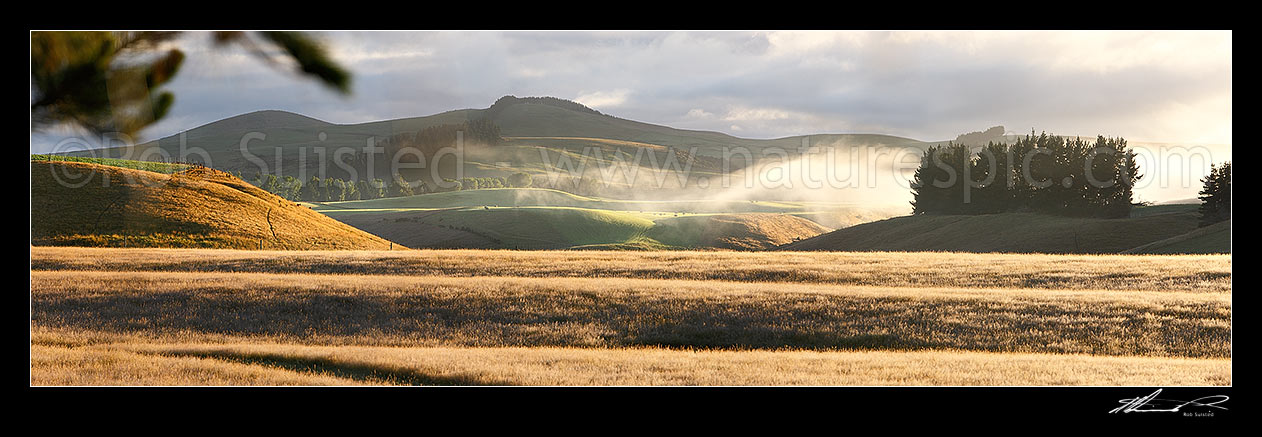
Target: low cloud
[1154, 86]
[756, 114]
[698, 113]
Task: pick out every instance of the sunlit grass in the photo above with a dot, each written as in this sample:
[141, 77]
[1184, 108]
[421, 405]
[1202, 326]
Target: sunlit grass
[134, 361]
[1195, 273]
[585, 312]
[103, 316]
[83, 204]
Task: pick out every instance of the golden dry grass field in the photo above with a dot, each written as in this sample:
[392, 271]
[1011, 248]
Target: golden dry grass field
[108, 316]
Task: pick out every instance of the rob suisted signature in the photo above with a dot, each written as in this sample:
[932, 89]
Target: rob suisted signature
[1153, 404]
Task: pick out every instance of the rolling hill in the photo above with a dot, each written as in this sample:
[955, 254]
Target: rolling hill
[87, 204]
[565, 227]
[751, 231]
[1009, 232]
[285, 143]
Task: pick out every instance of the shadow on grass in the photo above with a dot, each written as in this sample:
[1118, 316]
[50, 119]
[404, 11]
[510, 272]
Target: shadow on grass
[772, 341]
[359, 372]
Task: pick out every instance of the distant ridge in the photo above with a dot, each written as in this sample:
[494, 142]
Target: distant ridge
[535, 116]
[288, 144]
[268, 118]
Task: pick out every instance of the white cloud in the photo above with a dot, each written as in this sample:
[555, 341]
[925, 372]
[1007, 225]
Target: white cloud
[1158, 86]
[698, 113]
[755, 114]
[604, 99]
[801, 43]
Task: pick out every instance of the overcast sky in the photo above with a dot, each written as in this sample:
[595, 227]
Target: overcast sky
[1145, 86]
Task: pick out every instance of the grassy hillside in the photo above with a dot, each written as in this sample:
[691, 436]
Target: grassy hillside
[1215, 238]
[85, 204]
[552, 227]
[752, 231]
[1011, 232]
[536, 227]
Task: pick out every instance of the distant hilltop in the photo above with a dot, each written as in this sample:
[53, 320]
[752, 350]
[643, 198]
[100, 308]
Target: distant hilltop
[511, 100]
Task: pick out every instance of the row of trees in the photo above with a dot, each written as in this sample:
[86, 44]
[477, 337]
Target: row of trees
[583, 186]
[980, 137]
[1044, 173]
[336, 190]
[333, 189]
[515, 180]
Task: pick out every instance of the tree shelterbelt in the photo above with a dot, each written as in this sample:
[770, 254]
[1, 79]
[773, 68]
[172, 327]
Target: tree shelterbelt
[1044, 173]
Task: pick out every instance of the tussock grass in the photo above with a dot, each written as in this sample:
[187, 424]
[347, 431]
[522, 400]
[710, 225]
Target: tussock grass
[102, 316]
[134, 361]
[605, 312]
[1150, 273]
[60, 365]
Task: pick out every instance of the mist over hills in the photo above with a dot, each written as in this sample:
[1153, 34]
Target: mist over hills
[286, 143]
[516, 117]
[540, 133]
[535, 134]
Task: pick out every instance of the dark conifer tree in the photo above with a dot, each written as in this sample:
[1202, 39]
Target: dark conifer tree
[311, 190]
[927, 198]
[1216, 195]
[400, 187]
[956, 161]
[994, 179]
